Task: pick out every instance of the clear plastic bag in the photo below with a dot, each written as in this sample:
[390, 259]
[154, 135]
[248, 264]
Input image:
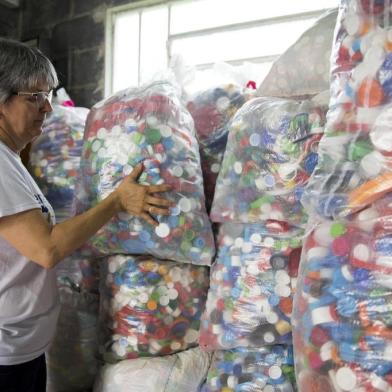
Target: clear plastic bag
[150, 307]
[147, 124]
[265, 369]
[55, 157]
[79, 274]
[252, 282]
[303, 69]
[270, 154]
[354, 167]
[181, 372]
[342, 318]
[72, 358]
[212, 109]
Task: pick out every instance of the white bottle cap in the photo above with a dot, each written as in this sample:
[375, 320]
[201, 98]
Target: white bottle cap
[372, 164]
[346, 379]
[322, 315]
[275, 372]
[162, 230]
[361, 252]
[322, 235]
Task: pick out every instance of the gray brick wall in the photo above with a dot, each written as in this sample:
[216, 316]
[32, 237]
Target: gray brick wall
[72, 33]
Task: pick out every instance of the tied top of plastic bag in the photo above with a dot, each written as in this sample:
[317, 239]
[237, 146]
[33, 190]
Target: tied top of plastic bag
[55, 156]
[270, 154]
[304, 68]
[354, 167]
[149, 125]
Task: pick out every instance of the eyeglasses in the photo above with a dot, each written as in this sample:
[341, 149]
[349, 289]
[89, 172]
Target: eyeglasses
[39, 97]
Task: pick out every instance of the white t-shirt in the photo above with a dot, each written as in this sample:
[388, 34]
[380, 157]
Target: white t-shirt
[29, 303]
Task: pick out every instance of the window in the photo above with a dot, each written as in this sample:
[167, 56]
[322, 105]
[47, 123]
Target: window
[142, 37]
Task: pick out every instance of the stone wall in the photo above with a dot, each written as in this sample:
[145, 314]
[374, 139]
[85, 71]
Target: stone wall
[72, 33]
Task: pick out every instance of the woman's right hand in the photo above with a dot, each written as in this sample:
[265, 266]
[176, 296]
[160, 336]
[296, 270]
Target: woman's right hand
[140, 200]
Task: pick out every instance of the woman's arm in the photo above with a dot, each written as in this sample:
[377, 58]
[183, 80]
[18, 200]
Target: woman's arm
[33, 237]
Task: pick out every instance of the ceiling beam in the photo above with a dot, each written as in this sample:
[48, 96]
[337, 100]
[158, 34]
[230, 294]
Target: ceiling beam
[10, 3]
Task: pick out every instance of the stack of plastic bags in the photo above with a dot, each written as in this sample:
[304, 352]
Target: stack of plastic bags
[270, 154]
[54, 163]
[154, 280]
[342, 309]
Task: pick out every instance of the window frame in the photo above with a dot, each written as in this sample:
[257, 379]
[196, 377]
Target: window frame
[144, 4]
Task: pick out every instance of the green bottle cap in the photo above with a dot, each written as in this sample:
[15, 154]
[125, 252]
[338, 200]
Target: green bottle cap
[358, 150]
[337, 229]
[153, 136]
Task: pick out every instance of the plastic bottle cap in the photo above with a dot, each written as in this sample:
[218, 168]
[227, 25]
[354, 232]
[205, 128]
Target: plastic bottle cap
[238, 242]
[323, 235]
[282, 290]
[164, 300]
[173, 294]
[238, 167]
[232, 381]
[222, 104]
[185, 204]
[151, 120]
[341, 246]
[162, 230]
[215, 167]
[272, 317]
[191, 336]
[318, 252]
[366, 219]
[175, 346]
[372, 164]
[346, 379]
[337, 229]
[326, 351]
[282, 277]
[165, 130]
[259, 182]
[361, 252]
[247, 247]
[102, 132]
[177, 171]
[275, 372]
[322, 315]
[269, 242]
[254, 139]
[352, 24]
[381, 137]
[143, 298]
[116, 130]
[256, 238]
[95, 146]
[269, 337]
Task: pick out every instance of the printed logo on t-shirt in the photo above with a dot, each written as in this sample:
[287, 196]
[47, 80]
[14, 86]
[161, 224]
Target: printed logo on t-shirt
[44, 209]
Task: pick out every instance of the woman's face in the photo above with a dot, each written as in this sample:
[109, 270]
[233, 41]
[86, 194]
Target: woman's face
[21, 118]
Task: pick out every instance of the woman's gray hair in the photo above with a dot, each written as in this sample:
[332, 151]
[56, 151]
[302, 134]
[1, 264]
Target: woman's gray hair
[23, 68]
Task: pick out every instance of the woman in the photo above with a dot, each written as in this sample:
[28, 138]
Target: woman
[30, 243]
